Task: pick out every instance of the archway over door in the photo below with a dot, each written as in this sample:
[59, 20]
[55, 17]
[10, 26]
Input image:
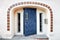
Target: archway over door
[25, 4]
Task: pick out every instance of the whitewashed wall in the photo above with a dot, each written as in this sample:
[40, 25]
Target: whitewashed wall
[4, 5]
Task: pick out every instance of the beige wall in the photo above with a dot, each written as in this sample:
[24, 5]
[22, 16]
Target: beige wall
[5, 4]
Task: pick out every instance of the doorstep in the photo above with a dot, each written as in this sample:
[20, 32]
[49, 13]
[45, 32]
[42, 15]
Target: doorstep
[32, 37]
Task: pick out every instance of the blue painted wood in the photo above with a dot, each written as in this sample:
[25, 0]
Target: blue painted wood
[29, 21]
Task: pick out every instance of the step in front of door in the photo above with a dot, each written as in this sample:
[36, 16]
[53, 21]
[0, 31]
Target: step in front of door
[25, 39]
[32, 37]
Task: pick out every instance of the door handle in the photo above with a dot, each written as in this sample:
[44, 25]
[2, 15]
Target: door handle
[26, 16]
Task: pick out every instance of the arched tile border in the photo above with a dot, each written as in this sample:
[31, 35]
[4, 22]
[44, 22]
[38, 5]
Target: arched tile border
[37, 3]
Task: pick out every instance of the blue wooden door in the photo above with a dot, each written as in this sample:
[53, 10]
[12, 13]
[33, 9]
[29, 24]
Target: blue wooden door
[30, 21]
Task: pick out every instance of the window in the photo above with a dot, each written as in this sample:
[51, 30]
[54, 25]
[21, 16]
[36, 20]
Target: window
[40, 16]
[18, 22]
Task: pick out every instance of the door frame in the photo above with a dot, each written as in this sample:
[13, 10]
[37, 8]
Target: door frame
[37, 17]
[38, 22]
[21, 22]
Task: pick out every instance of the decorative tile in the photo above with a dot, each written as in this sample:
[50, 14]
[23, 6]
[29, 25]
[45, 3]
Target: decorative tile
[8, 14]
[8, 17]
[8, 29]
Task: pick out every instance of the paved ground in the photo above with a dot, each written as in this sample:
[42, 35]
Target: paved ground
[33, 37]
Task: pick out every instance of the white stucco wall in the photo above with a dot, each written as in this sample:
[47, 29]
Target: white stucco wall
[5, 4]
